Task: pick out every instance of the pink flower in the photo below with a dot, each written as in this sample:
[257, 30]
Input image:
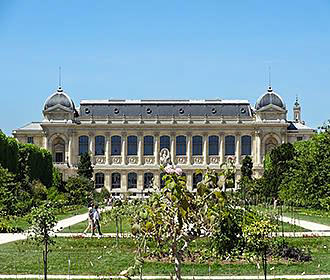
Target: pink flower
[178, 171]
[169, 169]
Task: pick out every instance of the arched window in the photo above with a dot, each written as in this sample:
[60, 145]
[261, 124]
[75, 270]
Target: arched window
[83, 144]
[270, 144]
[115, 181]
[131, 180]
[197, 142]
[181, 147]
[148, 180]
[99, 180]
[161, 181]
[246, 145]
[58, 150]
[148, 145]
[165, 142]
[99, 145]
[230, 145]
[196, 179]
[213, 145]
[132, 145]
[115, 145]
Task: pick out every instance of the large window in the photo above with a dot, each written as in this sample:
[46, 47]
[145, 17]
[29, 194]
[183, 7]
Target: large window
[30, 140]
[230, 145]
[213, 145]
[99, 145]
[181, 147]
[148, 145]
[115, 145]
[196, 179]
[246, 145]
[83, 145]
[197, 142]
[115, 180]
[131, 180]
[58, 150]
[165, 142]
[132, 145]
[99, 180]
[148, 180]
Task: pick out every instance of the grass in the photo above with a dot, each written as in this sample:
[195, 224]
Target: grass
[312, 215]
[103, 257]
[22, 222]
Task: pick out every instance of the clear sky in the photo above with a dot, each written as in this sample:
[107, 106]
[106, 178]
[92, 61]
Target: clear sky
[163, 49]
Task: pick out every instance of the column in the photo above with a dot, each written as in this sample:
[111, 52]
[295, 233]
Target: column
[189, 180]
[123, 182]
[258, 147]
[123, 148]
[140, 181]
[238, 147]
[222, 147]
[156, 148]
[140, 148]
[205, 148]
[189, 149]
[253, 148]
[173, 148]
[107, 147]
[70, 148]
[92, 145]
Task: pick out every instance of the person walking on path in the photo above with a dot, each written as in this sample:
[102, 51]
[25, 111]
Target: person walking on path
[96, 220]
[90, 220]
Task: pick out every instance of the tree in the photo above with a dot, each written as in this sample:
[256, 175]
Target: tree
[173, 217]
[85, 168]
[8, 193]
[79, 189]
[42, 222]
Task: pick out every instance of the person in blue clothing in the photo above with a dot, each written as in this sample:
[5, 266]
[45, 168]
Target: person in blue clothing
[90, 221]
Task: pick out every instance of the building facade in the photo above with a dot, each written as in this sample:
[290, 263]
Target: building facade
[124, 137]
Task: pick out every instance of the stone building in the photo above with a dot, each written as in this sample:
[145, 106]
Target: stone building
[124, 137]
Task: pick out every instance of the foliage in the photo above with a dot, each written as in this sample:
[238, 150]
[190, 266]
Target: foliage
[85, 168]
[8, 152]
[8, 193]
[79, 189]
[307, 182]
[247, 166]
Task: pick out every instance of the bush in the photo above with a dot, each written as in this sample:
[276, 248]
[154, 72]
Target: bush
[79, 189]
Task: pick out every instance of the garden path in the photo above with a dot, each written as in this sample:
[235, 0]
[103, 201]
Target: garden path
[305, 224]
[10, 237]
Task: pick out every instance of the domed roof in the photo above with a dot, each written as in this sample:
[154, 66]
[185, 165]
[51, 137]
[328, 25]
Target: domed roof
[59, 98]
[270, 97]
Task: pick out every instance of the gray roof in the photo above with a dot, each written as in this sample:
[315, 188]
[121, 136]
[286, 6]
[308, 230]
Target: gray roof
[59, 98]
[31, 126]
[270, 97]
[166, 108]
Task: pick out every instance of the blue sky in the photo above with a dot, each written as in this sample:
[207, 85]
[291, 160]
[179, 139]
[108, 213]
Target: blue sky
[163, 49]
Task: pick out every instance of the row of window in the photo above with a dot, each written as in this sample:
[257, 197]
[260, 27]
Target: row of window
[132, 180]
[165, 142]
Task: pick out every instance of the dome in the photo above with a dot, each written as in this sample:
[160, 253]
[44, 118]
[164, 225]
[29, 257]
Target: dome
[59, 98]
[270, 97]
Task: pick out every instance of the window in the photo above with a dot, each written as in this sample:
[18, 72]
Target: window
[30, 140]
[99, 145]
[59, 158]
[230, 145]
[99, 180]
[213, 145]
[181, 145]
[115, 145]
[246, 145]
[197, 145]
[165, 142]
[83, 144]
[131, 180]
[299, 138]
[132, 145]
[196, 179]
[148, 145]
[148, 180]
[58, 150]
[115, 181]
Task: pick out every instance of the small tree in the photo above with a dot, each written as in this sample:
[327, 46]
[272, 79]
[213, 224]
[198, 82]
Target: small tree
[42, 222]
[79, 189]
[85, 168]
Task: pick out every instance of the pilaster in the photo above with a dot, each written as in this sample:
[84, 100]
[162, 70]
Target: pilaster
[205, 148]
[238, 147]
[140, 148]
[107, 147]
[189, 147]
[173, 148]
[156, 149]
[123, 149]
[222, 147]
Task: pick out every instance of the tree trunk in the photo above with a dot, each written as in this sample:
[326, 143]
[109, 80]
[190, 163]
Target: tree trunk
[45, 259]
[177, 260]
[117, 230]
[264, 263]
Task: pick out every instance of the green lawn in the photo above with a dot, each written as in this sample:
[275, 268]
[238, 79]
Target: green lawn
[102, 256]
[312, 215]
[22, 222]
